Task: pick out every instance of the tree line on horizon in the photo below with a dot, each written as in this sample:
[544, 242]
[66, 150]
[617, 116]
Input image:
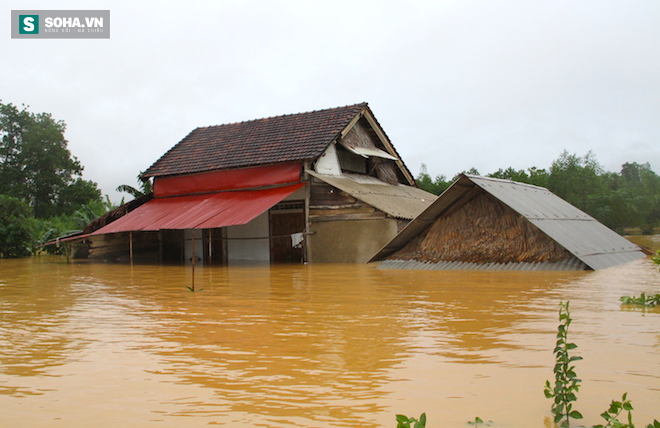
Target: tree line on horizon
[43, 195]
[629, 199]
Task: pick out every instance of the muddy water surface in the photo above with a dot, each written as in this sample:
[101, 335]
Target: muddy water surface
[313, 346]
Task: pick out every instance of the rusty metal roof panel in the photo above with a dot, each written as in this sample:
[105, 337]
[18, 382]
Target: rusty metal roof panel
[397, 200]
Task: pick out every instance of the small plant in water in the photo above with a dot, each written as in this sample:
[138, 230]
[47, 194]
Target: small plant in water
[643, 300]
[566, 387]
[656, 258]
[567, 383]
[478, 421]
[406, 422]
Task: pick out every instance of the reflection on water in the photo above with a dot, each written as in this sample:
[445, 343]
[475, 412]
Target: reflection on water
[649, 241]
[313, 346]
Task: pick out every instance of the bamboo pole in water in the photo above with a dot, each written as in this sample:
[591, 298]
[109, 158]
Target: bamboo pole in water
[210, 237]
[193, 260]
[130, 246]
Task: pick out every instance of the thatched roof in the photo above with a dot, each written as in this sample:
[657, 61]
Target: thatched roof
[484, 229]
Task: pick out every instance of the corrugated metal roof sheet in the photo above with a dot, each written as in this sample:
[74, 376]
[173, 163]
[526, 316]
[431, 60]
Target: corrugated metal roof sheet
[371, 151]
[532, 202]
[202, 211]
[570, 264]
[397, 200]
[590, 241]
[582, 235]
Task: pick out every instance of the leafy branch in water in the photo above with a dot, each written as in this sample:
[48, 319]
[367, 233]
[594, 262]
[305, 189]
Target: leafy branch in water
[616, 407]
[406, 422]
[611, 414]
[567, 383]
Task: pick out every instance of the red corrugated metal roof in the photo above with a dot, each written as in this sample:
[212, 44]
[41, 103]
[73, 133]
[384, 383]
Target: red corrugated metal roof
[203, 211]
[228, 179]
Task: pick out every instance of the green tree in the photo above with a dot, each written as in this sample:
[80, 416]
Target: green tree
[15, 231]
[627, 199]
[425, 182]
[641, 189]
[36, 165]
[576, 179]
[538, 177]
[630, 198]
[533, 175]
[13, 124]
[77, 194]
[471, 171]
[511, 174]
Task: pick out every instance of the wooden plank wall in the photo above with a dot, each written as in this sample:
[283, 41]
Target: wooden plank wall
[328, 203]
[116, 247]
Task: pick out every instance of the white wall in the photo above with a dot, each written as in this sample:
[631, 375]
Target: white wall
[249, 249]
[328, 162]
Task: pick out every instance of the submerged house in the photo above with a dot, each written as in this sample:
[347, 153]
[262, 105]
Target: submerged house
[487, 223]
[321, 186]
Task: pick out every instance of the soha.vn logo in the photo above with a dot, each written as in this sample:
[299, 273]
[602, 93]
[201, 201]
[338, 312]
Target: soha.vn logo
[29, 24]
[60, 24]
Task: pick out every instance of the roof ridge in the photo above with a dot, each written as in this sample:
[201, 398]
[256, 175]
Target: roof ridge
[362, 105]
[306, 136]
[505, 180]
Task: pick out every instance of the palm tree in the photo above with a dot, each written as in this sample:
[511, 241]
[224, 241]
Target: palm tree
[144, 189]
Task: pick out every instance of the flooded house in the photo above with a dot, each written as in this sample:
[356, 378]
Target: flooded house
[494, 224]
[320, 186]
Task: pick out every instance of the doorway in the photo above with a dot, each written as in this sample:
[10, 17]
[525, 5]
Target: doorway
[287, 224]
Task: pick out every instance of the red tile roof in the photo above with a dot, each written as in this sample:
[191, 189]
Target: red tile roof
[294, 137]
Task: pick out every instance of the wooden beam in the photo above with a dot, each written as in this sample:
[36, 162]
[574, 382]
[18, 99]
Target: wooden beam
[390, 148]
[351, 124]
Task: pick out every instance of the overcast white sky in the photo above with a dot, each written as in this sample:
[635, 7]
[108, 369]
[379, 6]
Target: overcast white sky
[455, 84]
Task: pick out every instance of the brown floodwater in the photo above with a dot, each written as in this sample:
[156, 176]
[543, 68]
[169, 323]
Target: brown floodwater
[314, 346]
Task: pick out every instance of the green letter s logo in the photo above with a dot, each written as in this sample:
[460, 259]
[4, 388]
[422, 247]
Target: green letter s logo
[28, 24]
